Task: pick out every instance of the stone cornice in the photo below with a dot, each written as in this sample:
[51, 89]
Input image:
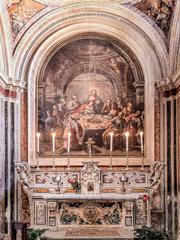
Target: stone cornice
[171, 85]
[165, 84]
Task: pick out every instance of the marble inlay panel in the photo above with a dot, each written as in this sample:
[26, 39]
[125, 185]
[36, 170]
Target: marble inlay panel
[2, 160]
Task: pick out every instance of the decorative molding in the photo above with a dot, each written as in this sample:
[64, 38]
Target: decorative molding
[7, 93]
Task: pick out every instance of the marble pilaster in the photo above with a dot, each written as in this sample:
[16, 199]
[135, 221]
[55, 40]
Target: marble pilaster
[2, 160]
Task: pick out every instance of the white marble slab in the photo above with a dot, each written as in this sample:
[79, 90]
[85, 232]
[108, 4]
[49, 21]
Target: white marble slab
[72, 196]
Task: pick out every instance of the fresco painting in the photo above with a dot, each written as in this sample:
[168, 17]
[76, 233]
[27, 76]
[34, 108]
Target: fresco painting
[20, 12]
[89, 90]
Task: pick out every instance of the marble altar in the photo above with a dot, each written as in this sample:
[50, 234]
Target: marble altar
[106, 198]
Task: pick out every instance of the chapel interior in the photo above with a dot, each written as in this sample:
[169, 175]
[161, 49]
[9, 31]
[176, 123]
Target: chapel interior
[89, 119]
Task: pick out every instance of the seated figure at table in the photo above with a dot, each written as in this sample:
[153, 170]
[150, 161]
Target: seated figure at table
[116, 127]
[127, 110]
[135, 126]
[74, 104]
[94, 102]
[75, 129]
[119, 103]
[114, 110]
[107, 107]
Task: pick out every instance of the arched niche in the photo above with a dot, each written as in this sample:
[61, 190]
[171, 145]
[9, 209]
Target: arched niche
[143, 42]
[76, 69]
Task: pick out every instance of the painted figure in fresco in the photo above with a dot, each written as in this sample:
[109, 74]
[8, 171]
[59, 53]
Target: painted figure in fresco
[119, 103]
[127, 111]
[159, 10]
[59, 115]
[62, 108]
[76, 131]
[94, 101]
[107, 107]
[117, 128]
[49, 121]
[135, 126]
[74, 104]
[114, 110]
[21, 11]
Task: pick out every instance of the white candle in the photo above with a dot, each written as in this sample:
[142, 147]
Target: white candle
[141, 140]
[38, 137]
[127, 141]
[111, 141]
[69, 141]
[53, 141]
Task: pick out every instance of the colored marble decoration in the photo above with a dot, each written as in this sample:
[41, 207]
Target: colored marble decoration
[20, 12]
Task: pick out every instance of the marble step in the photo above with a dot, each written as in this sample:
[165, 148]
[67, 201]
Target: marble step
[91, 233]
[85, 238]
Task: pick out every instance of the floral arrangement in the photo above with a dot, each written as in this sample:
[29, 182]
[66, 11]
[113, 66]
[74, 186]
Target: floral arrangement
[76, 185]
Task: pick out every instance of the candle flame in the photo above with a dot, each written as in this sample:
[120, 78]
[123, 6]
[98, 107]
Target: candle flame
[53, 134]
[69, 133]
[141, 133]
[111, 134]
[127, 134]
[38, 134]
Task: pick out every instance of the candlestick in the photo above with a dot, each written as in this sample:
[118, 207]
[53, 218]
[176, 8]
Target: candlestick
[69, 141]
[53, 149]
[142, 149]
[68, 149]
[111, 141]
[127, 150]
[53, 141]
[127, 141]
[141, 140]
[54, 163]
[38, 137]
[111, 148]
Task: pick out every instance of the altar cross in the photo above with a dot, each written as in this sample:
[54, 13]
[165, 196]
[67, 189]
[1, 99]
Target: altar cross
[89, 144]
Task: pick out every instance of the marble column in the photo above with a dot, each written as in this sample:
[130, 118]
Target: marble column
[2, 161]
[24, 127]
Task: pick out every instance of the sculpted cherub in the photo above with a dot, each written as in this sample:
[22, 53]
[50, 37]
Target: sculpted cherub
[158, 168]
[24, 177]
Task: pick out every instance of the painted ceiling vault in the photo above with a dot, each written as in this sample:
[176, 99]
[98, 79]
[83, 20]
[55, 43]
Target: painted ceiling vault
[157, 12]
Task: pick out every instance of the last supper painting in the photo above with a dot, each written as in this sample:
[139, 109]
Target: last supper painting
[90, 91]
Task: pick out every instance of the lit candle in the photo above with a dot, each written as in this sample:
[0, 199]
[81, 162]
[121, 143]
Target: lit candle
[111, 141]
[38, 137]
[69, 140]
[53, 141]
[127, 141]
[141, 140]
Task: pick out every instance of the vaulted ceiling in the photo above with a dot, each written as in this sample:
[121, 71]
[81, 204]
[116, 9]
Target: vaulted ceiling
[17, 18]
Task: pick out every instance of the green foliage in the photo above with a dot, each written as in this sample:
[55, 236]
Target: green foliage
[150, 233]
[68, 218]
[113, 218]
[34, 234]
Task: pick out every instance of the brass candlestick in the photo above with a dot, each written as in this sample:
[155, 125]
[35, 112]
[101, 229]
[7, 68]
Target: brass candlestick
[37, 158]
[54, 163]
[111, 160]
[68, 161]
[142, 167]
[127, 160]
